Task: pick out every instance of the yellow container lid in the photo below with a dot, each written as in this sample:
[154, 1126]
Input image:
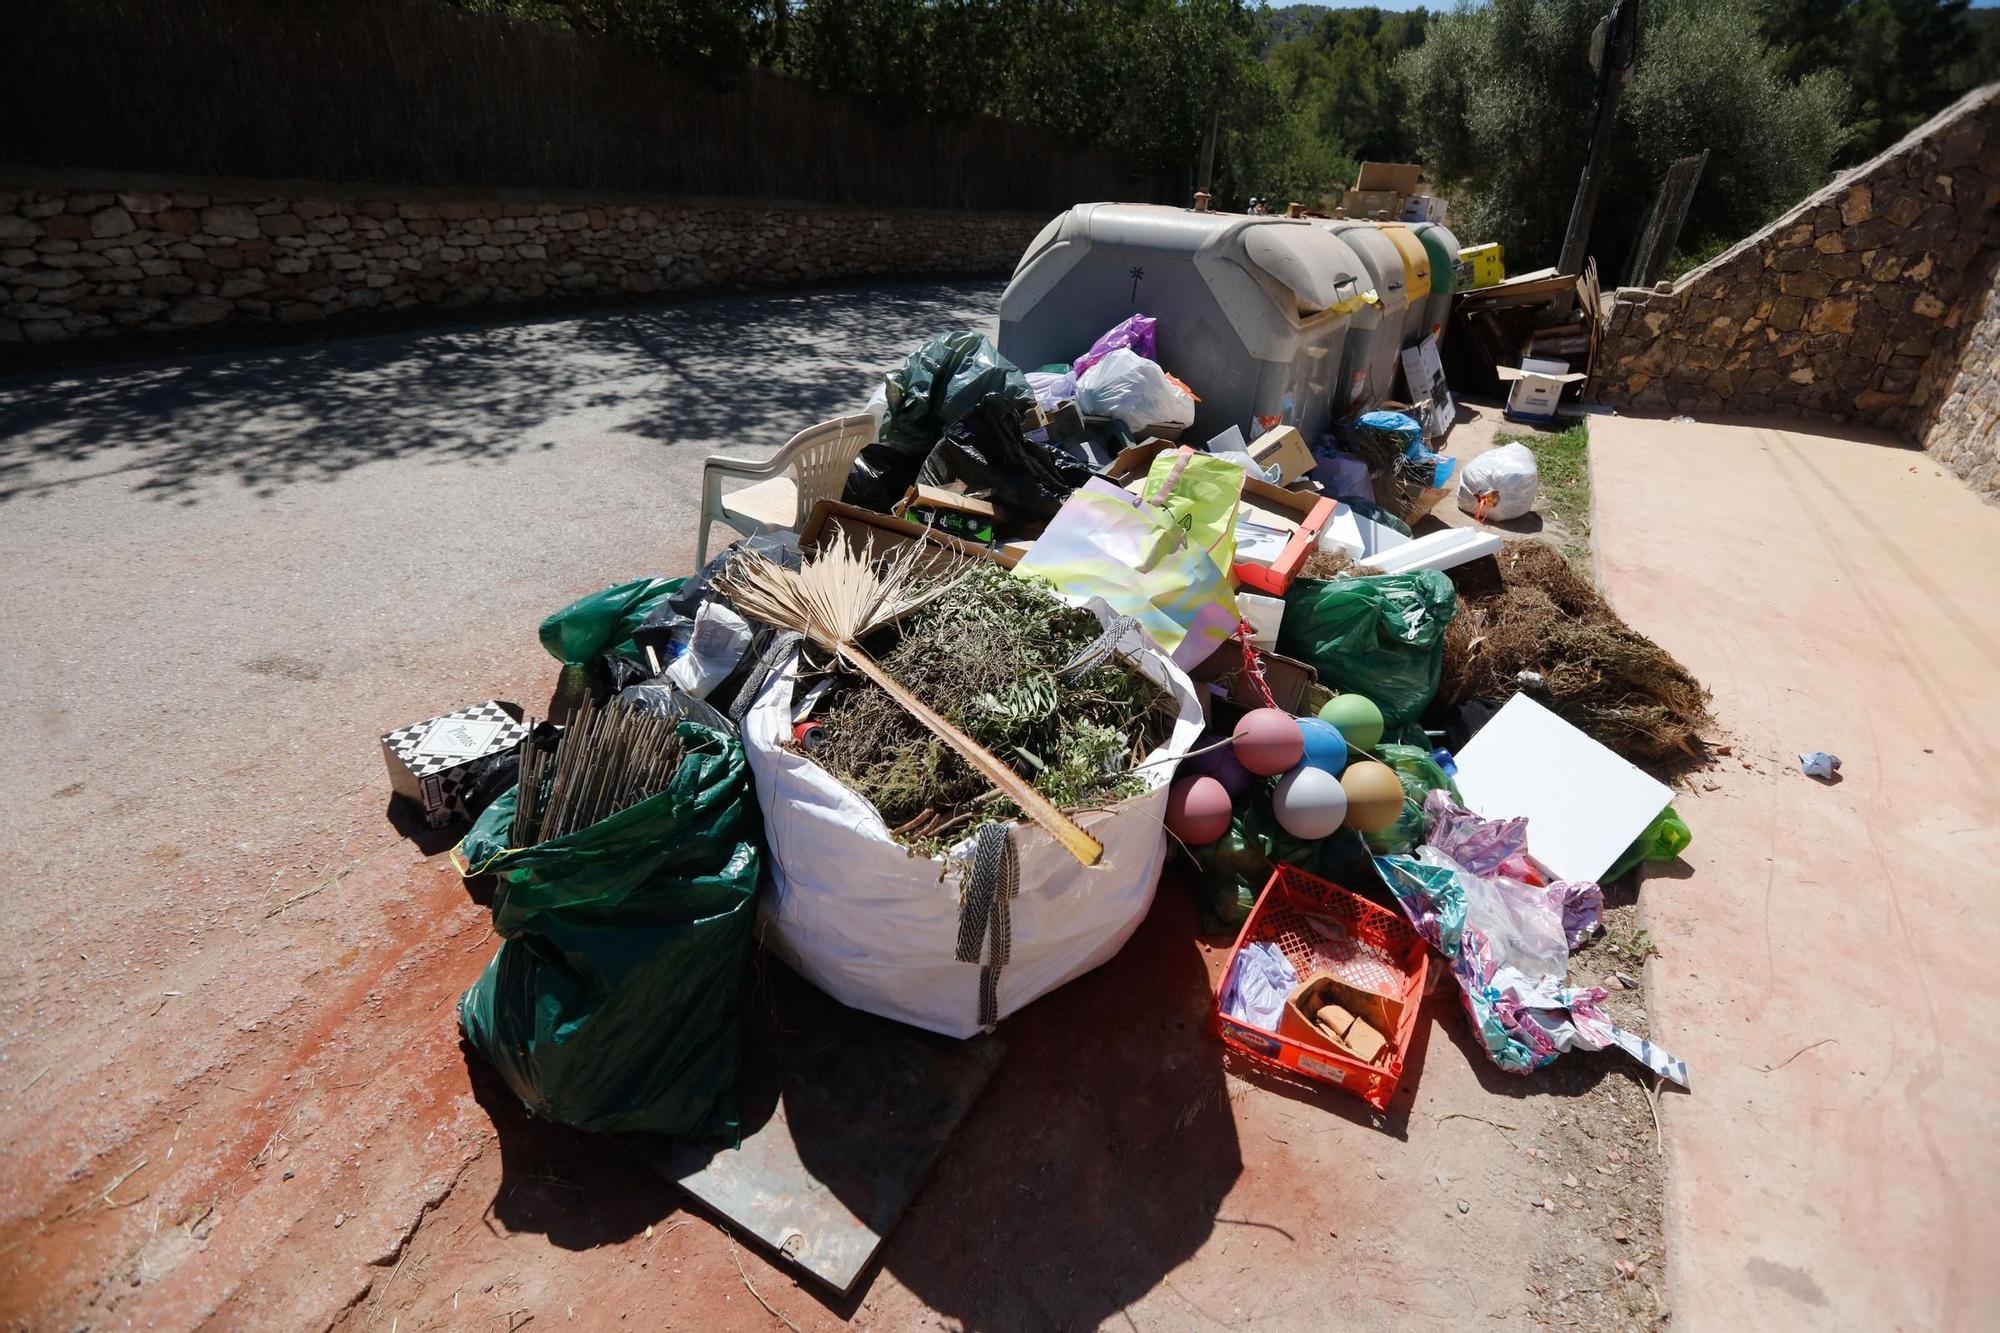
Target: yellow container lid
[1416, 259]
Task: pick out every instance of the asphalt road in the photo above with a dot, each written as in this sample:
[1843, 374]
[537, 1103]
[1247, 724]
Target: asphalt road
[222, 579]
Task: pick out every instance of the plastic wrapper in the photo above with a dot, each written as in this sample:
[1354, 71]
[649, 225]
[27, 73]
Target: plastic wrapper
[1136, 333]
[1500, 484]
[1134, 392]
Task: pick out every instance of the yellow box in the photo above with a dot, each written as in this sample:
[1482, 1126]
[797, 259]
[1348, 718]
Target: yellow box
[1482, 263]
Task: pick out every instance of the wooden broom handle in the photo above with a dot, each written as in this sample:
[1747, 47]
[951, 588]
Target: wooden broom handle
[1038, 807]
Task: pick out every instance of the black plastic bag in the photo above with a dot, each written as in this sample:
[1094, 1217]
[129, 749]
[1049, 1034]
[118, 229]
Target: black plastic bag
[986, 455]
[943, 380]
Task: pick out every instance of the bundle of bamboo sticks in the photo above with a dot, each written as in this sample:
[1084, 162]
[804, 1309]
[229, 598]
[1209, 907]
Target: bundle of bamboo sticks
[606, 761]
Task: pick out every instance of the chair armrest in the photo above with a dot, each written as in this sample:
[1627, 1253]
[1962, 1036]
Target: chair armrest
[744, 467]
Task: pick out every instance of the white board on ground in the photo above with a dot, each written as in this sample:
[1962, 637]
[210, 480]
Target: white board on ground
[1584, 805]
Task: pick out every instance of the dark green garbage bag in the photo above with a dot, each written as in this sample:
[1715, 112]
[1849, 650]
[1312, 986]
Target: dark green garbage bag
[942, 381]
[1382, 637]
[614, 1003]
[597, 630]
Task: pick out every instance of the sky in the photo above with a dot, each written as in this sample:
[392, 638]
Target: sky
[1447, 4]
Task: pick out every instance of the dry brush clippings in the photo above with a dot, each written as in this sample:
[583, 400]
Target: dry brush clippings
[1597, 672]
[986, 654]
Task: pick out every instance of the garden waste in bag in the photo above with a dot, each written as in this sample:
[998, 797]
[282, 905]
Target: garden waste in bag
[614, 1003]
[598, 629]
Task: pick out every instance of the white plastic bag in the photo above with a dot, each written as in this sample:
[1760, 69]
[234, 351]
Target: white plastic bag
[1135, 392]
[1508, 475]
[720, 639]
[877, 927]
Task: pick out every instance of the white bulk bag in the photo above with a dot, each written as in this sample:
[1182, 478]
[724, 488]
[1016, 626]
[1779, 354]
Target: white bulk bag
[876, 926]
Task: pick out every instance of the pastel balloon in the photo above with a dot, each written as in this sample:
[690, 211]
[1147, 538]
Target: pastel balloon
[1198, 810]
[1374, 795]
[1268, 741]
[1309, 803]
[1326, 748]
[1359, 720]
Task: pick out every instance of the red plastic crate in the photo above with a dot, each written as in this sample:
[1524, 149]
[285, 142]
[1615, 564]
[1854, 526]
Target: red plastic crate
[1361, 944]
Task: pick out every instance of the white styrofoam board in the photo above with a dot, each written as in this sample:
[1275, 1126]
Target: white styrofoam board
[1438, 550]
[1584, 804]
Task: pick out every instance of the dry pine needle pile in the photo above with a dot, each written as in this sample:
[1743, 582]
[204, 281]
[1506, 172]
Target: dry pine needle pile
[1598, 673]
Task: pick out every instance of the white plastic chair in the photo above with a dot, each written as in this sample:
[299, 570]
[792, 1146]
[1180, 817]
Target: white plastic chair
[812, 466]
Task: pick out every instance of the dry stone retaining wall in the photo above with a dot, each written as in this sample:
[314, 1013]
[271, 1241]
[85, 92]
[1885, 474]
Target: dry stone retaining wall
[1850, 307]
[81, 262]
[1963, 428]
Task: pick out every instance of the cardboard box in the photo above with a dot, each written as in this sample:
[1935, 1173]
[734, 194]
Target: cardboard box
[1480, 266]
[1368, 203]
[1220, 676]
[831, 518]
[1425, 208]
[1423, 379]
[1396, 177]
[1368, 1017]
[1284, 448]
[1276, 528]
[1538, 387]
[430, 761]
[946, 511]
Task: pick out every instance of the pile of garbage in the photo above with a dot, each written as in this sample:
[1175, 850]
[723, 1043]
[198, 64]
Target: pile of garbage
[936, 748]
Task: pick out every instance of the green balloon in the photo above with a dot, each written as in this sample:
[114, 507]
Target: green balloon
[1358, 720]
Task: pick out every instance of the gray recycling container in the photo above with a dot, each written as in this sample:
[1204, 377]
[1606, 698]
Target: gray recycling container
[1253, 311]
[1371, 352]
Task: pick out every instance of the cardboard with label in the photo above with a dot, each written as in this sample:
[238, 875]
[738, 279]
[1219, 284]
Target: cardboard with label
[430, 761]
[1538, 387]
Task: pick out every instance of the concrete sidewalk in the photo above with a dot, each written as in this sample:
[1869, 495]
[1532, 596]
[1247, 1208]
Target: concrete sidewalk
[1824, 966]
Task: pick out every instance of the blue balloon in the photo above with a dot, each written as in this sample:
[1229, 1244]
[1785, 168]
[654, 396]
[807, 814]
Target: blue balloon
[1326, 748]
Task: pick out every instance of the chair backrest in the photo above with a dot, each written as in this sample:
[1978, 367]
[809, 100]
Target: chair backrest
[821, 457]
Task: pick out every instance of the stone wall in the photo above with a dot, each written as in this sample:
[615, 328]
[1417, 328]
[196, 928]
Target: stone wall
[1848, 308]
[1962, 428]
[113, 257]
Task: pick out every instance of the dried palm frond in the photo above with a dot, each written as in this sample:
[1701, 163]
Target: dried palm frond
[842, 595]
[839, 597]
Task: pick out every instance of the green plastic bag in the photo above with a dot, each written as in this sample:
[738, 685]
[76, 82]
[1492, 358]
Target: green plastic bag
[1420, 776]
[1664, 839]
[1233, 870]
[1381, 637]
[601, 624]
[597, 629]
[942, 381]
[614, 1003]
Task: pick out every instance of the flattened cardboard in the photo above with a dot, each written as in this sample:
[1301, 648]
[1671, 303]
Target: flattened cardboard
[1398, 177]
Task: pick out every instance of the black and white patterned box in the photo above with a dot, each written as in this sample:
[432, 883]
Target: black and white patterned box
[428, 762]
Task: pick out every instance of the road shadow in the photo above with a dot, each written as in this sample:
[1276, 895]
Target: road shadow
[579, 1190]
[741, 372]
[1098, 1159]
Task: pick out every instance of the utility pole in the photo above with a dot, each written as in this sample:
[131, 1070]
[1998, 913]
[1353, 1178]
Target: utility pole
[1611, 49]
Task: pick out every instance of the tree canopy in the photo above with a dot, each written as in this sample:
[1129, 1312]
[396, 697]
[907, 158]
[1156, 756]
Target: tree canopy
[1497, 99]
